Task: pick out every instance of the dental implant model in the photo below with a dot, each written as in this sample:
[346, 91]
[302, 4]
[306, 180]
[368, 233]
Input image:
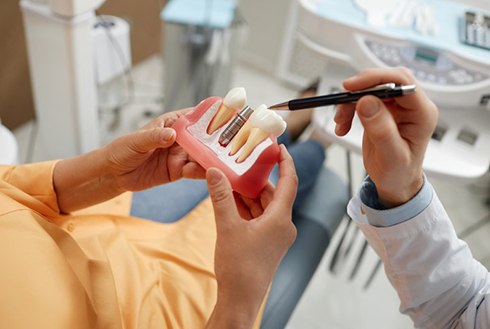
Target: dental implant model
[240, 141]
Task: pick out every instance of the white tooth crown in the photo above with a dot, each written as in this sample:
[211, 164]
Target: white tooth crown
[268, 121]
[261, 124]
[236, 98]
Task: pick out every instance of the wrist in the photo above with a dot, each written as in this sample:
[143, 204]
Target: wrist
[243, 303]
[83, 181]
[391, 198]
[233, 313]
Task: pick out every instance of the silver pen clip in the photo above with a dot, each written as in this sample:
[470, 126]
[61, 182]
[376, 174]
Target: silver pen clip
[386, 86]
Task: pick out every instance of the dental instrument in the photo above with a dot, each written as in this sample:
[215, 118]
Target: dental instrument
[384, 91]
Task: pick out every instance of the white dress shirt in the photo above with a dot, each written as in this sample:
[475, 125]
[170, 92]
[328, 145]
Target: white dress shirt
[439, 283]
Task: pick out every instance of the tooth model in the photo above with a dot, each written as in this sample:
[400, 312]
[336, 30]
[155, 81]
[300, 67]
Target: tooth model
[234, 101]
[261, 125]
[258, 150]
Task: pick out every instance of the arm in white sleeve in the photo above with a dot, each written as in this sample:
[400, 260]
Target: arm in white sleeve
[439, 283]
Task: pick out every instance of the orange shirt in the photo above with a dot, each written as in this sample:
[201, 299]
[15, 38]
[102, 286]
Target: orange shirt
[99, 268]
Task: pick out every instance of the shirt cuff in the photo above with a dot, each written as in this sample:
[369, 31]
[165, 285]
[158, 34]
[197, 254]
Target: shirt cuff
[380, 216]
[36, 180]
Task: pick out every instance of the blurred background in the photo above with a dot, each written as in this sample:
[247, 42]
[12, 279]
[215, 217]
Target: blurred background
[75, 74]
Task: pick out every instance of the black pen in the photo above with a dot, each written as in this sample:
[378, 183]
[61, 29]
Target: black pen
[385, 91]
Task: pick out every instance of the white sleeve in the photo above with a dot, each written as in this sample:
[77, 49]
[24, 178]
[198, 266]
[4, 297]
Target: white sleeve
[439, 283]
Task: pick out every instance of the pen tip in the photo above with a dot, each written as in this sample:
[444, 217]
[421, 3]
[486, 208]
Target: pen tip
[280, 106]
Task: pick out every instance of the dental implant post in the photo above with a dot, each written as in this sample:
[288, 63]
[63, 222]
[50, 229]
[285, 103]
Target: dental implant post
[235, 125]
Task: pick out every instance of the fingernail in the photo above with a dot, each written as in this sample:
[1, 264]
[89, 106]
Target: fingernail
[371, 107]
[213, 176]
[169, 135]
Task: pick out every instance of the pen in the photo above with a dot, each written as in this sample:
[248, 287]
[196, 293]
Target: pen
[384, 91]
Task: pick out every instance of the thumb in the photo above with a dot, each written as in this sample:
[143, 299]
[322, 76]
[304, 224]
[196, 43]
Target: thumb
[150, 139]
[221, 195]
[379, 125]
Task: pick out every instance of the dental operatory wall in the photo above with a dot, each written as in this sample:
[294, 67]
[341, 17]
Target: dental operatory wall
[16, 103]
[266, 23]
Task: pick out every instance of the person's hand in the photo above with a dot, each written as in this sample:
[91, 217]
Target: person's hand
[252, 238]
[150, 156]
[396, 133]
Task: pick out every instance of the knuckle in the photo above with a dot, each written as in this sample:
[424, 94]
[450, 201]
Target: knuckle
[294, 180]
[134, 146]
[155, 135]
[293, 232]
[220, 195]
[289, 232]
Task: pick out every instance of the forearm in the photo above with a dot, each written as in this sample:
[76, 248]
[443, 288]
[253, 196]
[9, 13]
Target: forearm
[438, 281]
[83, 181]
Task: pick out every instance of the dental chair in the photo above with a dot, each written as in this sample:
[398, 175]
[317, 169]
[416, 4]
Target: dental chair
[302, 259]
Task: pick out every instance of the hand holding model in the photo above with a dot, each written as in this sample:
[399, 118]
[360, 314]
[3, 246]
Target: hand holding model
[150, 156]
[396, 133]
[137, 161]
[253, 235]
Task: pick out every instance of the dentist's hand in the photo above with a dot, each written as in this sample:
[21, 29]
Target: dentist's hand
[252, 238]
[396, 133]
[150, 156]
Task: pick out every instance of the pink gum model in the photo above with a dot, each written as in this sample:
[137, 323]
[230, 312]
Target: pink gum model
[247, 178]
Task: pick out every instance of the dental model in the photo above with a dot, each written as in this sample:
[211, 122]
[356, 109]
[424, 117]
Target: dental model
[261, 124]
[250, 156]
[234, 100]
